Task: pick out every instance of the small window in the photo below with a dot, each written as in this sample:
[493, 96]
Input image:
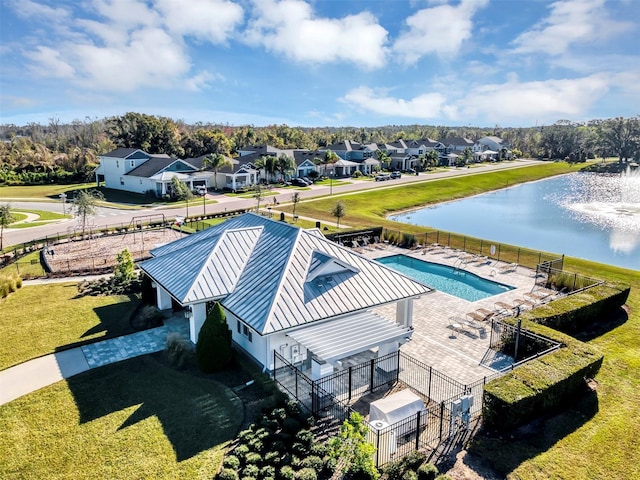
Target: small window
[246, 332]
[121, 181]
[117, 163]
[133, 163]
[239, 326]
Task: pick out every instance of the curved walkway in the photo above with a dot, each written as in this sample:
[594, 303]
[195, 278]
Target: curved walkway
[40, 372]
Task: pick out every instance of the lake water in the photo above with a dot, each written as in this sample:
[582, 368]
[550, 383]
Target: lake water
[584, 215]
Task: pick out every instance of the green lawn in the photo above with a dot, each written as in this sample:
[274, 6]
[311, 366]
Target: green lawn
[130, 420]
[44, 217]
[38, 319]
[41, 192]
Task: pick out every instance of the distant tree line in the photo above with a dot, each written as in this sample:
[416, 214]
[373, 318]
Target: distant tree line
[63, 153]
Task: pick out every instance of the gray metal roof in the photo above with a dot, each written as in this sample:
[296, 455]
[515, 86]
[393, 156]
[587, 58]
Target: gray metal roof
[350, 335]
[273, 291]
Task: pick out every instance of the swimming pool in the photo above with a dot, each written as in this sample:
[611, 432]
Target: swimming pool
[459, 283]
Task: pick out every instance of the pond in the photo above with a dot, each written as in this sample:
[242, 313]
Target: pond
[584, 215]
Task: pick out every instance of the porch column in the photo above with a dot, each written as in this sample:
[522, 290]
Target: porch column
[163, 299]
[198, 316]
[233, 183]
[404, 312]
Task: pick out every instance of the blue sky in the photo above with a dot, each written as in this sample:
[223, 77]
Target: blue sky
[322, 62]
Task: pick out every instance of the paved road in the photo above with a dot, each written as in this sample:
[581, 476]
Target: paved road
[110, 216]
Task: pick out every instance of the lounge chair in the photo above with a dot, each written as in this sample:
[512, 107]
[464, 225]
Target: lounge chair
[521, 302]
[502, 307]
[512, 267]
[481, 315]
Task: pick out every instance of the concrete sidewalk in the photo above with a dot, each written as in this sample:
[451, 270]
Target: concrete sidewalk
[40, 372]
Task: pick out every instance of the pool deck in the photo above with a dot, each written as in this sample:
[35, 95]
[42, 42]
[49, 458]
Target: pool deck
[461, 353]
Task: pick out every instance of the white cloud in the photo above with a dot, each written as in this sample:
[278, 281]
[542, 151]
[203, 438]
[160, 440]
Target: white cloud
[289, 27]
[569, 22]
[530, 101]
[49, 63]
[210, 20]
[30, 9]
[439, 30]
[426, 106]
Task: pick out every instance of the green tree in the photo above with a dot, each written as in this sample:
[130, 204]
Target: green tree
[258, 194]
[329, 158]
[621, 136]
[351, 449]
[85, 204]
[215, 162]
[286, 166]
[179, 190]
[6, 218]
[213, 348]
[295, 198]
[125, 269]
[467, 155]
[338, 211]
[383, 158]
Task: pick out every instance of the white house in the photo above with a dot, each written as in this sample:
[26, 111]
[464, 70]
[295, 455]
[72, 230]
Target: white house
[491, 148]
[133, 170]
[285, 289]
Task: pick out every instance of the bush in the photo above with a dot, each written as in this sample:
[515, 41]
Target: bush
[245, 436]
[312, 461]
[306, 474]
[305, 437]
[241, 451]
[227, 474]
[256, 445]
[213, 349]
[291, 425]
[394, 470]
[443, 476]
[329, 464]
[253, 458]
[287, 473]
[250, 471]
[272, 458]
[300, 449]
[408, 240]
[414, 459]
[356, 174]
[178, 349]
[409, 475]
[427, 471]
[318, 449]
[231, 461]
[267, 471]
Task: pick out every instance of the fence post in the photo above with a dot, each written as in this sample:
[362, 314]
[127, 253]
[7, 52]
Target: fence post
[398, 367]
[350, 368]
[314, 399]
[441, 418]
[430, 371]
[499, 245]
[464, 244]
[438, 236]
[371, 366]
[418, 430]
[481, 246]
[297, 384]
[518, 258]
[275, 365]
[377, 447]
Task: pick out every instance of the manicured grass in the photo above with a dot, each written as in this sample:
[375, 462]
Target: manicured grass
[17, 217]
[44, 217]
[41, 192]
[134, 419]
[336, 183]
[38, 319]
[370, 207]
[28, 266]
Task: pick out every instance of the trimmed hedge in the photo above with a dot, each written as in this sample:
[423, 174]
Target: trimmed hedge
[540, 385]
[573, 312]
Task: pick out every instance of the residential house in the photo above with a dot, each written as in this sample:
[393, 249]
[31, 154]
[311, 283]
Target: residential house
[491, 148]
[355, 156]
[285, 290]
[134, 170]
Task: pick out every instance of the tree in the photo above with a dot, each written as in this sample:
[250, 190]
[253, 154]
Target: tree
[286, 166]
[213, 348]
[179, 190]
[85, 204]
[216, 161]
[258, 195]
[621, 136]
[125, 270]
[6, 218]
[329, 158]
[350, 447]
[467, 155]
[338, 211]
[295, 198]
[383, 158]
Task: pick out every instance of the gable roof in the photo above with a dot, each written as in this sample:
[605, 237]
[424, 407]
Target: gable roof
[126, 153]
[268, 279]
[460, 141]
[152, 166]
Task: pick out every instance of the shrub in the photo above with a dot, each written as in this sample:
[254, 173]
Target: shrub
[318, 449]
[247, 477]
[241, 451]
[287, 473]
[245, 436]
[256, 445]
[253, 458]
[267, 471]
[231, 461]
[213, 349]
[268, 404]
[250, 471]
[278, 445]
[427, 471]
[356, 174]
[178, 349]
[272, 458]
[414, 459]
[312, 461]
[305, 437]
[409, 475]
[408, 240]
[306, 474]
[300, 449]
[227, 474]
[291, 425]
[443, 476]
[279, 414]
[394, 470]
[329, 464]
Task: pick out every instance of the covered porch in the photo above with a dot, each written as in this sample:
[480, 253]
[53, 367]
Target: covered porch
[244, 177]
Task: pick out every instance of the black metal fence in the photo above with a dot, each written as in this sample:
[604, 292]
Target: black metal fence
[519, 343]
[562, 281]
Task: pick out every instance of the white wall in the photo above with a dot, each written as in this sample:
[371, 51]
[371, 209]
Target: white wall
[257, 348]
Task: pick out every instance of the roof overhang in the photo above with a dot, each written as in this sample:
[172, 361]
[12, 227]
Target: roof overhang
[347, 336]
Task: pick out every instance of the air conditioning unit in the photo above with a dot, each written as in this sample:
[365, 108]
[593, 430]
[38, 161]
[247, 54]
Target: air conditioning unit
[467, 402]
[456, 408]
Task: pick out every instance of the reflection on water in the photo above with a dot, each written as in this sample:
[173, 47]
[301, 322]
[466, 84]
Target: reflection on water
[611, 202]
[584, 215]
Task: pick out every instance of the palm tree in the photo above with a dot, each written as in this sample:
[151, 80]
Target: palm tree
[216, 161]
[286, 165]
[270, 166]
[6, 218]
[330, 157]
[338, 211]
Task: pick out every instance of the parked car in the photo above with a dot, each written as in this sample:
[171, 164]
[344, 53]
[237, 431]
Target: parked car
[381, 177]
[395, 175]
[299, 182]
[308, 180]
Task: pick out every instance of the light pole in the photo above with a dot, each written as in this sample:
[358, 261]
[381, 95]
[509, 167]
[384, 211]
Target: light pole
[63, 197]
[331, 182]
[204, 202]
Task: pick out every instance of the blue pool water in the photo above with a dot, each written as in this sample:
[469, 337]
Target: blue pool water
[459, 283]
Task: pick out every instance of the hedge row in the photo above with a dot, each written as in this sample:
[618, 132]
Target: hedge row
[540, 385]
[573, 312]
